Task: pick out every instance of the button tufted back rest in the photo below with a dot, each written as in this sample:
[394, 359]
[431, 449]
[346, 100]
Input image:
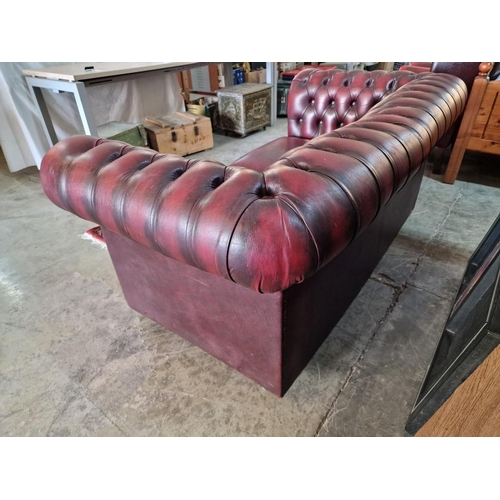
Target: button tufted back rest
[264, 230]
[321, 101]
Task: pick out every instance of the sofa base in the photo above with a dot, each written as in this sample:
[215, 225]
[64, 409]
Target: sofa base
[269, 338]
[232, 323]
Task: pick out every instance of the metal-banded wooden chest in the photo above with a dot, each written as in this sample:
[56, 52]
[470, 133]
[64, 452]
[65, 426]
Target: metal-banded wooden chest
[244, 108]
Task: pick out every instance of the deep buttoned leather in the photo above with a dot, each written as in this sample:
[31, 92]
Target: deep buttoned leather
[322, 101]
[369, 134]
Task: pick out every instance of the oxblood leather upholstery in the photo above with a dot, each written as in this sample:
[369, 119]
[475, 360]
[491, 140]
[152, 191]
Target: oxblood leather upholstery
[322, 101]
[262, 158]
[416, 67]
[466, 71]
[267, 230]
[183, 235]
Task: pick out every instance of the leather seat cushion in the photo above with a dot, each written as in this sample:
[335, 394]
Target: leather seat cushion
[261, 158]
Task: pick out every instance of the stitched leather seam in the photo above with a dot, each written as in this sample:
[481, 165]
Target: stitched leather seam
[350, 197]
[283, 341]
[343, 187]
[301, 217]
[361, 160]
[151, 219]
[390, 159]
[417, 134]
[231, 238]
[410, 173]
[445, 85]
[95, 180]
[61, 181]
[375, 175]
[62, 185]
[121, 196]
[448, 122]
[440, 133]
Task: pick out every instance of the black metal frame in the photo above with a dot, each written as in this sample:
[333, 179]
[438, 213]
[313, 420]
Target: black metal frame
[471, 332]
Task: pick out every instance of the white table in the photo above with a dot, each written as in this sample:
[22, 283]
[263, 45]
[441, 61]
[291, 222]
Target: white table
[76, 78]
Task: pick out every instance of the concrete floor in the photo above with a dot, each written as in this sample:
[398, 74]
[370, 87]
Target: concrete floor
[76, 361]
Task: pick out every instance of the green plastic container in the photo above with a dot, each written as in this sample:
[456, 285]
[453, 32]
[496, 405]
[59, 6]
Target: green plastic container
[131, 133]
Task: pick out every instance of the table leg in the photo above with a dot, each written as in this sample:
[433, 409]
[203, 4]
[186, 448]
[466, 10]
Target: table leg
[271, 72]
[48, 126]
[83, 105]
[80, 93]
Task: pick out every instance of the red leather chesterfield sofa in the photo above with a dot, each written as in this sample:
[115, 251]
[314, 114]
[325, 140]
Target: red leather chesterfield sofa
[257, 261]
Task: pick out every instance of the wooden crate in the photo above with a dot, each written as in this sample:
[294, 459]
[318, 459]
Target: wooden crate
[181, 134]
[244, 108]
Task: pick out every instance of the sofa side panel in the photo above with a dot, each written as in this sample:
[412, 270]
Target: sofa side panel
[236, 325]
[314, 306]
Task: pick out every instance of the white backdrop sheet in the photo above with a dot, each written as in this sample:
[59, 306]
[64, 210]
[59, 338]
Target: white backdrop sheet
[22, 138]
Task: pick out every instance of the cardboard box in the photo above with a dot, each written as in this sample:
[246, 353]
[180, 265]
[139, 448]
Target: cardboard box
[196, 108]
[131, 133]
[385, 66]
[258, 76]
[181, 134]
[286, 66]
[202, 79]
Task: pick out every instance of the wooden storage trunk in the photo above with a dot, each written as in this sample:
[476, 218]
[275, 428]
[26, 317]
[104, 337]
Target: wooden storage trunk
[131, 133]
[245, 108]
[181, 134]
